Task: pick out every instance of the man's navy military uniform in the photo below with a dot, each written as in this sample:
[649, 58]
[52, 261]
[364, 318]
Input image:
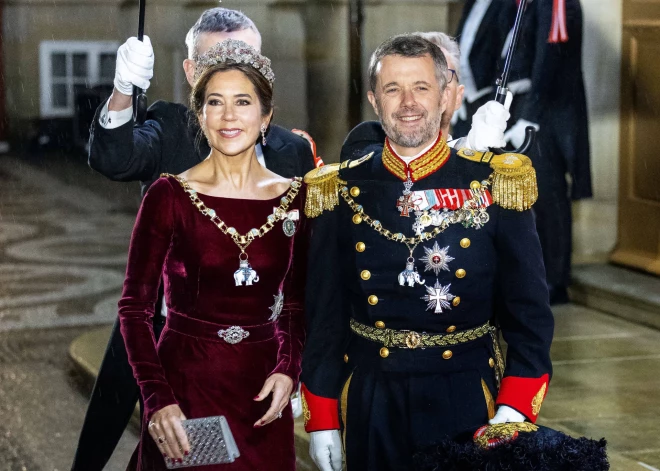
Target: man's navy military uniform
[169, 141]
[406, 366]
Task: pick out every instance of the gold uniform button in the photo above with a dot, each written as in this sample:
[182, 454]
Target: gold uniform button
[346, 358]
[460, 273]
[465, 243]
[357, 219]
[451, 329]
[380, 324]
[384, 352]
[447, 354]
[456, 301]
[365, 274]
[491, 362]
[475, 185]
[355, 192]
[360, 247]
[373, 299]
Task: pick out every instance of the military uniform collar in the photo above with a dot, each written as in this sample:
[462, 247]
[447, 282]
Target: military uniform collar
[423, 166]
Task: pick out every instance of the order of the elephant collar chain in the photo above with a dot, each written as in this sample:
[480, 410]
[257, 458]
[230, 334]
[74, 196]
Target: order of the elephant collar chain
[245, 273]
[464, 215]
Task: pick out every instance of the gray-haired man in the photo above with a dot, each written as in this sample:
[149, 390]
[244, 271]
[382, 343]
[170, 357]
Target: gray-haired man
[166, 143]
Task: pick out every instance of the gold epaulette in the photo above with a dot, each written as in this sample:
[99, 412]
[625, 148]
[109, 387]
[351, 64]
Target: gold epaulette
[323, 186]
[513, 181]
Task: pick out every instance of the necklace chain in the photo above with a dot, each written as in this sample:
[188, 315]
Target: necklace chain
[243, 240]
[469, 207]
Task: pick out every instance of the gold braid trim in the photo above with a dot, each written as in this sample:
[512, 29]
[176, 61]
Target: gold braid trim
[323, 185]
[411, 340]
[422, 166]
[490, 402]
[503, 432]
[513, 181]
[537, 401]
[307, 415]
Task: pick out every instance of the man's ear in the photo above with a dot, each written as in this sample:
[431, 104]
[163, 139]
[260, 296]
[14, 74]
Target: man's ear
[460, 91]
[444, 100]
[372, 99]
[189, 69]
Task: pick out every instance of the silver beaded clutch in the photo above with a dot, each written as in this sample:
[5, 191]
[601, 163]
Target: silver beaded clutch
[211, 442]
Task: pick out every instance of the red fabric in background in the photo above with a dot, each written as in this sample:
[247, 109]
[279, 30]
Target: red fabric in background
[207, 376]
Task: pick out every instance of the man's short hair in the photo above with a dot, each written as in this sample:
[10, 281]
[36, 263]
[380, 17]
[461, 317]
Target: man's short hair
[217, 20]
[446, 42]
[408, 45]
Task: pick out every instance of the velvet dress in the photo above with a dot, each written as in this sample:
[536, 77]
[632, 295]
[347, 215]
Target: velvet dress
[192, 365]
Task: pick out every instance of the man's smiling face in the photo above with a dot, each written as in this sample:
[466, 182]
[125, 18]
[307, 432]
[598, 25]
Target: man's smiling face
[409, 102]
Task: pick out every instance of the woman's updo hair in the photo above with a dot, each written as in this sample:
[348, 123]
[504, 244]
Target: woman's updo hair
[262, 86]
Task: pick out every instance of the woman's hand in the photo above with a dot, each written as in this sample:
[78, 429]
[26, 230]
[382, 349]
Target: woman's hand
[281, 386]
[168, 433]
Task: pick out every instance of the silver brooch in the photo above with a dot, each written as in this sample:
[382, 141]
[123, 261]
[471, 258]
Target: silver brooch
[277, 307]
[233, 335]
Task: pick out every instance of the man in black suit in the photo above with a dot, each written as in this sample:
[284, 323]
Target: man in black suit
[548, 62]
[168, 141]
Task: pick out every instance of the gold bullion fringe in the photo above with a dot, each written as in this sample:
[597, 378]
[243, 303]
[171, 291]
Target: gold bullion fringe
[323, 185]
[322, 196]
[514, 182]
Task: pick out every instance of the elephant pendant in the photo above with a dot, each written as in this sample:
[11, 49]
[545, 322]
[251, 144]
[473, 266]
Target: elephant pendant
[410, 275]
[245, 274]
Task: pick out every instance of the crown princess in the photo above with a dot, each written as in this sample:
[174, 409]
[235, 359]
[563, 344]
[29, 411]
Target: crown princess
[238, 52]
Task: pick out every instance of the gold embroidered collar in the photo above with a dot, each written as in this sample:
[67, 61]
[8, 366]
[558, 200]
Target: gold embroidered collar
[423, 166]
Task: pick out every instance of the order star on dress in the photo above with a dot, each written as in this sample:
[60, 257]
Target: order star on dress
[276, 308]
[436, 259]
[438, 297]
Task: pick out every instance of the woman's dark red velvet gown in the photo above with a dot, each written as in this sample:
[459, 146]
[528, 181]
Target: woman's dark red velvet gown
[192, 366]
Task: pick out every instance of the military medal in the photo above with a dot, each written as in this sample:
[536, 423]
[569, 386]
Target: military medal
[410, 275]
[289, 227]
[404, 203]
[436, 259]
[438, 297]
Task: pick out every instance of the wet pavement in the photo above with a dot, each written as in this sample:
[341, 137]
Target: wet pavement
[64, 234]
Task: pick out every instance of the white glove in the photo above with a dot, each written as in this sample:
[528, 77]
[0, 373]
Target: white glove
[325, 450]
[488, 126]
[506, 414]
[135, 65]
[296, 403]
[516, 135]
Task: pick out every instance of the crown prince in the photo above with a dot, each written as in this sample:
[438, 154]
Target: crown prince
[420, 253]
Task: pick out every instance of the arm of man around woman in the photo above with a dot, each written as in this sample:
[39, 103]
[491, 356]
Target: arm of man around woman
[150, 242]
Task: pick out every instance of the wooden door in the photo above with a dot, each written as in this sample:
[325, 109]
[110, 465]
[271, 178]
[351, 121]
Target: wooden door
[638, 241]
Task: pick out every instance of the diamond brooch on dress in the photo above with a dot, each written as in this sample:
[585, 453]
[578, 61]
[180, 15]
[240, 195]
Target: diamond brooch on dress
[277, 307]
[233, 335]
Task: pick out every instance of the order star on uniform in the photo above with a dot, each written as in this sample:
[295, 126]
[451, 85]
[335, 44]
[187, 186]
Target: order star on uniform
[419, 254]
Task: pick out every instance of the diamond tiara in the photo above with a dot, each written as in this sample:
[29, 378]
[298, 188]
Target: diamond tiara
[234, 51]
